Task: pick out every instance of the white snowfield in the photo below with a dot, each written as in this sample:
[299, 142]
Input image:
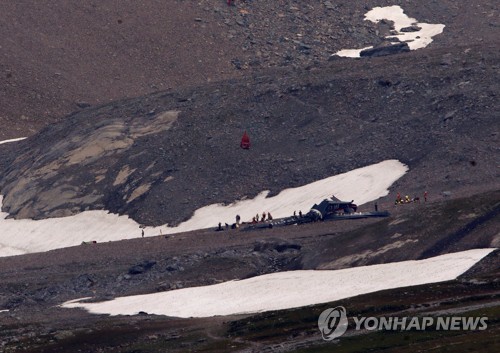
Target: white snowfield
[28, 236]
[284, 290]
[416, 40]
[361, 185]
[12, 140]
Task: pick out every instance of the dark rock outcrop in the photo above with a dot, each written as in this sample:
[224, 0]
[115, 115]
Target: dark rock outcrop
[141, 267]
[386, 49]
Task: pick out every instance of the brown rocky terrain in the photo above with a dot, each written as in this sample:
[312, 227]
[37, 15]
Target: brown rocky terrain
[304, 125]
[139, 107]
[59, 57]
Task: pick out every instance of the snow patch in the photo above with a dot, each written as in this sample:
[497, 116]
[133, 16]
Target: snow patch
[415, 40]
[361, 185]
[13, 140]
[28, 236]
[351, 53]
[285, 290]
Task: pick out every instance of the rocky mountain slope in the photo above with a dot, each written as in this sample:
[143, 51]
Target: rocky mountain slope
[34, 285]
[59, 57]
[308, 117]
[160, 157]
[139, 107]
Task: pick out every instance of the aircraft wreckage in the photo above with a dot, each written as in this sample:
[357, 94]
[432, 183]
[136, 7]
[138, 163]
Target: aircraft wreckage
[327, 210]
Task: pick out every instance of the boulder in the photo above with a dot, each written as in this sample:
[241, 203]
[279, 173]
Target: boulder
[385, 50]
[412, 28]
[141, 267]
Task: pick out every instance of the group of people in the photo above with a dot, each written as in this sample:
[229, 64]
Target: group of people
[407, 199]
[266, 216]
[262, 218]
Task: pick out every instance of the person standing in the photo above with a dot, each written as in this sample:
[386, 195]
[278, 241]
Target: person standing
[142, 232]
[425, 196]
